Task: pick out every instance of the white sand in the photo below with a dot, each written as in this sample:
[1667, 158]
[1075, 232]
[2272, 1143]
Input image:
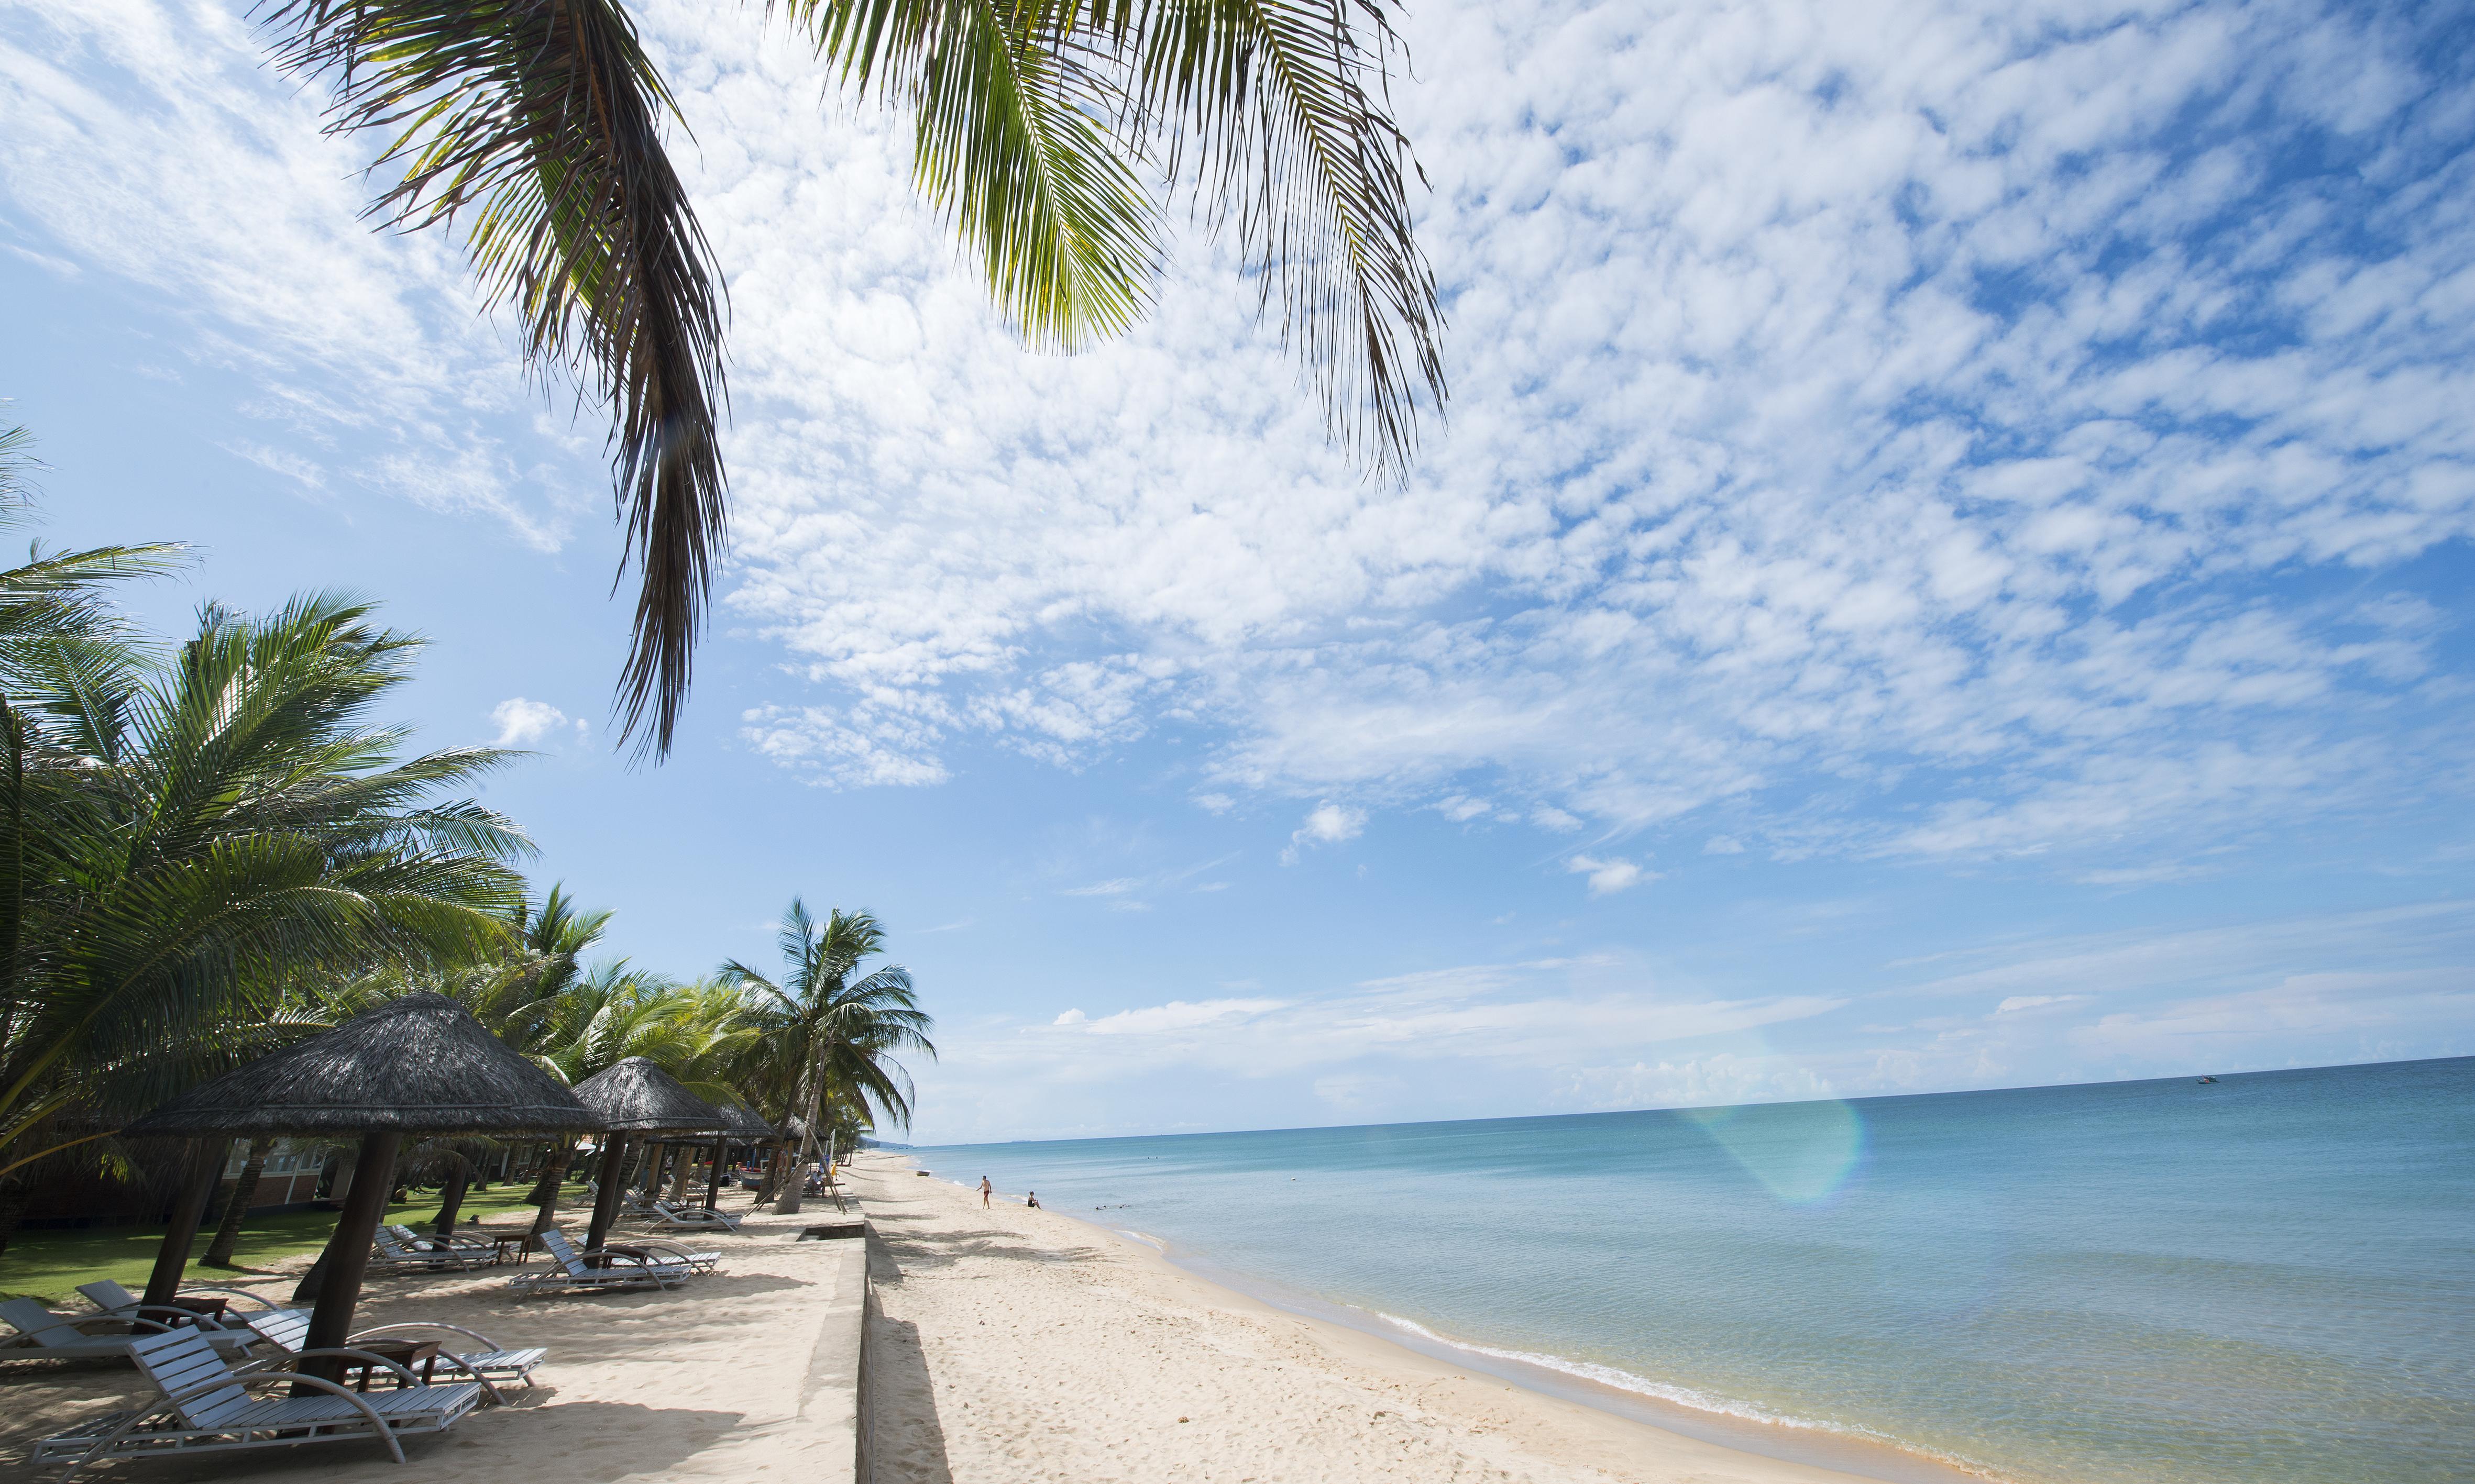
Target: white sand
[1005, 1345]
[1012, 1345]
[722, 1378]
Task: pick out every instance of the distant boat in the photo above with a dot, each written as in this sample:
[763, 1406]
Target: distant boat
[2206, 1079]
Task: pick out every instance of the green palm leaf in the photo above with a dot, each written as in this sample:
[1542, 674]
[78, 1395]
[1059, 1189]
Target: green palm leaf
[536, 125]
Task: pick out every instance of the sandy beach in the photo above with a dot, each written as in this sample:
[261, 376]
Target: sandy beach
[1004, 1344]
[1010, 1344]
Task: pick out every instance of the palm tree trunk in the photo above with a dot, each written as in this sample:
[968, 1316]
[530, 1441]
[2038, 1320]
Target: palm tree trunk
[546, 1191]
[450, 1202]
[219, 1251]
[796, 1185]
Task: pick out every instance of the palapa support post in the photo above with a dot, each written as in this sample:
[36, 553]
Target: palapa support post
[348, 1250]
[713, 1186]
[188, 1209]
[605, 1196]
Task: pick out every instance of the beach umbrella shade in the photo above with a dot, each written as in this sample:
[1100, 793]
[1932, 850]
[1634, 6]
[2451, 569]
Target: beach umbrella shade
[636, 1100]
[415, 1066]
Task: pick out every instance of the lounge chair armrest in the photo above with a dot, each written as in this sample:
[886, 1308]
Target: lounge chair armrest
[254, 1297]
[679, 1253]
[424, 1324]
[136, 1313]
[292, 1361]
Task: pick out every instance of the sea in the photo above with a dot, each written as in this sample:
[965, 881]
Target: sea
[2269, 1279]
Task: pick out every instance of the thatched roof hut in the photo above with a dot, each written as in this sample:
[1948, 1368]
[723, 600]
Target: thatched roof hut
[418, 1064]
[740, 1121]
[634, 1096]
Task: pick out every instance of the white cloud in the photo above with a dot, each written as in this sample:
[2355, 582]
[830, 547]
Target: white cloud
[522, 723]
[1717, 1079]
[1814, 428]
[1214, 803]
[2019, 1002]
[1899, 430]
[1722, 845]
[1609, 874]
[1326, 824]
[148, 141]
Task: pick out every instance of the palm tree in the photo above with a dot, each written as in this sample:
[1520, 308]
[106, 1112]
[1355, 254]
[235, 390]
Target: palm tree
[827, 1040]
[52, 605]
[695, 1033]
[1052, 132]
[182, 839]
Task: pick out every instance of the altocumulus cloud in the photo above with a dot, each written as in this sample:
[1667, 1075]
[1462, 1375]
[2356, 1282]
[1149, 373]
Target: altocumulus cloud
[1940, 397]
[2027, 412]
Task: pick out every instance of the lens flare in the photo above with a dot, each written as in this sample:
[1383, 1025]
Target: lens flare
[1801, 1152]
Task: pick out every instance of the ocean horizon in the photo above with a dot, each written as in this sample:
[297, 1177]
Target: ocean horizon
[2268, 1276]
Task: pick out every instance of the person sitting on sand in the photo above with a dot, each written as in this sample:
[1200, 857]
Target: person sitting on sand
[985, 1189]
[1032, 1200]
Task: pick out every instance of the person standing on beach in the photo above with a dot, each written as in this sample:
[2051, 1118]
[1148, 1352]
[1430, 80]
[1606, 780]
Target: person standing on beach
[984, 1187]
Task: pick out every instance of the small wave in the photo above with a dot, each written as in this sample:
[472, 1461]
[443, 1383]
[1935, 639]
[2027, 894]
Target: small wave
[1148, 1240]
[1680, 1395]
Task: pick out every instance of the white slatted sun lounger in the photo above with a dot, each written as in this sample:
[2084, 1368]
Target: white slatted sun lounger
[204, 1405]
[42, 1334]
[647, 1249]
[288, 1330]
[393, 1256]
[431, 1242]
[599, 1269]
[108, 1294]
[696, 1216]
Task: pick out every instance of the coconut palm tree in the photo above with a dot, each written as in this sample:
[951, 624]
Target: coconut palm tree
[55, 604]
[698, 1033]
[826, 1037]
[1052, 133]
[182, 839]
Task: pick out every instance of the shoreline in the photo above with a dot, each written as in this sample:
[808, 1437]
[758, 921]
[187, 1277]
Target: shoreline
[1587, 1428]
[1817, 1445]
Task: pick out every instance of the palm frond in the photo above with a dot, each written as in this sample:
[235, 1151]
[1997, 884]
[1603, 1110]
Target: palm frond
[1275, 111]
[1010, 138]
[538, 125]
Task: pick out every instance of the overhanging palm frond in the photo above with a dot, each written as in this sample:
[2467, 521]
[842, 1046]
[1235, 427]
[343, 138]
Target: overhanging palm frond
[1266, 108]
[1010, 139]
[537, 123]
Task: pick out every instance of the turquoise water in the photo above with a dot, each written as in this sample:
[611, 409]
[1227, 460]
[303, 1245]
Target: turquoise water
[2270, 1279]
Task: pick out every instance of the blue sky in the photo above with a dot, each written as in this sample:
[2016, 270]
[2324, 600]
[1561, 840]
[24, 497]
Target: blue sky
[1948, 565]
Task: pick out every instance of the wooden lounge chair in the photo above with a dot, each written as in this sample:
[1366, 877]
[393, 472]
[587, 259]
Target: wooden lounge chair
[680, 1214]
[42, 1334]
[393, 1256]
[642, 1265]
[288, 1329]
[108, 1294]
[204, 1405]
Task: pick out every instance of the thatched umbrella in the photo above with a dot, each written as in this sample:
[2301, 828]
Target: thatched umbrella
[740, 1125]
[635, 1097]
[418, 1064]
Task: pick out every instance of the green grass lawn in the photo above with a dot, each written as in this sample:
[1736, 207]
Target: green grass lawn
[49, 1265]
